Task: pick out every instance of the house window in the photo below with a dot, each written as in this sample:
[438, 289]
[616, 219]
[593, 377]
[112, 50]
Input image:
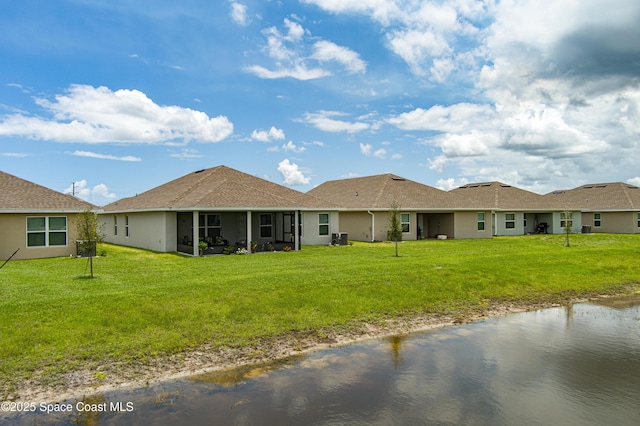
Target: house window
[638, 220]
[126, 226]
[323, 224]
[210, 225]
[510, 221]
[46, 231]
[404, 222]
[481, 221]
[566, 220]
[524, 220]
[597, 220]
[115, 225]
[265, 225]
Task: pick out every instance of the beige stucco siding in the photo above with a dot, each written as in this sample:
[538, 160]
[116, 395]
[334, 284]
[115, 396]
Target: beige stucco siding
[311, 228]
[613, 222]
[13, 235]
[155, 231]
[466, 225]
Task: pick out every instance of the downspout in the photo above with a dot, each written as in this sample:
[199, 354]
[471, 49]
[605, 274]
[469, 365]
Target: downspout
[494, 223]
[373, 225]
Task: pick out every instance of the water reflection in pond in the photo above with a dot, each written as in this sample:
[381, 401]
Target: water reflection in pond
[571, 366]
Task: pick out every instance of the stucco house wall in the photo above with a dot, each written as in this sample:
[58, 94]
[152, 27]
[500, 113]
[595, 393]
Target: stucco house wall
[155, 231]
[13, 235]
[612, 222]
[466, 225]
[311, 227]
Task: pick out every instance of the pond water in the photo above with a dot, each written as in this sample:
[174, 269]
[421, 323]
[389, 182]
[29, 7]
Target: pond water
[571, 366]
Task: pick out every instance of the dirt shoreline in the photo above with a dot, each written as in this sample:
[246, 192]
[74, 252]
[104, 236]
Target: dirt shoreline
[83, 383]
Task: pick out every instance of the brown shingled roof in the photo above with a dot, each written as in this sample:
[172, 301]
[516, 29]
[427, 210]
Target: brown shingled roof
[219, 187]
[500, 196]
[379, 192]
[600, 196]
[20, 195]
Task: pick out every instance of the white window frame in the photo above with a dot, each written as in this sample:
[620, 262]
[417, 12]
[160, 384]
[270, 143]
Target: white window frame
[597, 220]
[203, 230]
[322, 225]
[405, 225]
[638, 220]
[509, 223]
[483, 221]
[126, 226]
[564, 218]
[115, 225]
[47, 231]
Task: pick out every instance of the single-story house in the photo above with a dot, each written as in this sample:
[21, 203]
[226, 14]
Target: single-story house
[606, 207]
[221, 207]
[515, 211]
[37, 221]
[425, 212]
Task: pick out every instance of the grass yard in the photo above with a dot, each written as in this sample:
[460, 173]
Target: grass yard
[143, 305]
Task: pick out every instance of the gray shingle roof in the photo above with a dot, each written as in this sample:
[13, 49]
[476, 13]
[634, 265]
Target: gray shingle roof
[219, 187]
[379, 192]
[599, 196]
[500, 196]
[20, 195]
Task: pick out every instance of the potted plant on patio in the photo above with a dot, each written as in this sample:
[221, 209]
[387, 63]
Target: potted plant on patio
[202, 246]
[254, 246]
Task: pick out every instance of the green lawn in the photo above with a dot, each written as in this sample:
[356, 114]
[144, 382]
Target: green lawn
[143, 304]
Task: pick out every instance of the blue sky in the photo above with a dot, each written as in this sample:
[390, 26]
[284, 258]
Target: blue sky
[120, 96]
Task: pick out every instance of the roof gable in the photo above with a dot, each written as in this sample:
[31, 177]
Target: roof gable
[381, 191]
[218, 187]
[600, 196]
[498, 195]
[20, 195]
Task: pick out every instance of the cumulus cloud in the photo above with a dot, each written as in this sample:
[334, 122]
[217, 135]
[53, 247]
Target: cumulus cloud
[323, 120]
[297, 55]
[98, 194]
[291, 174]
[87, 114]
[267, 135]
[90, 154]
[366, 149]
[239, 13]
[290, 146]
[327, 51]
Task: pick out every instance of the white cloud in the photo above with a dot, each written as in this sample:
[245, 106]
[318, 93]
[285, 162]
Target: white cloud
[438, 163]
[239, 13]
[298, 55]
[267, 135]
[634, 181]
[328, 51]
[366, 149]
[290, 146]
[85, 114]
[299, 72]
[15, 154]
[98, 195]
[291, 174]
[450, 183]
[186, 154]
[322, 120]
[104, 156]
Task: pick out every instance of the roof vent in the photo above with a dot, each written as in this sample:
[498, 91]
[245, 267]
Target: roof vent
[199, 171]
[398, 179]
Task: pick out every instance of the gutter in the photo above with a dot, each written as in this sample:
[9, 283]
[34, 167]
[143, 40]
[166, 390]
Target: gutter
[373, 225]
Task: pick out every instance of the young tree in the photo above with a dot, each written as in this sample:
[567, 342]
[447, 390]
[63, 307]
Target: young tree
[395, 227]
[566, 222]
[90, 235]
